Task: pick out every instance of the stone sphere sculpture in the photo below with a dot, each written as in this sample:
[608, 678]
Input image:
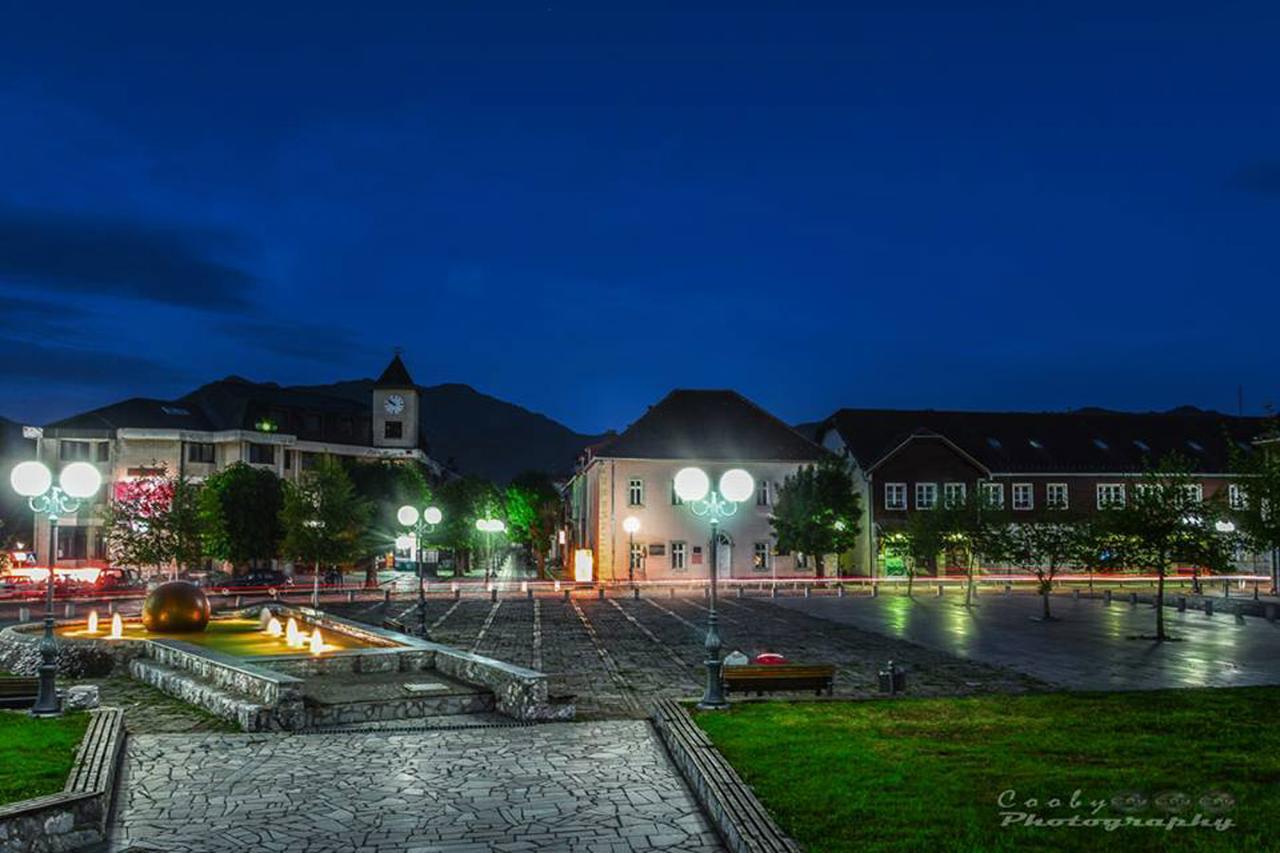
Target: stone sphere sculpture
[177, 607]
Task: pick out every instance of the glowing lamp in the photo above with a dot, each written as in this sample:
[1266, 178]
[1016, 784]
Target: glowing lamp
[482, 524]
[583, 565]
[692, 484]
[80, 480]
[407, 515]
[432, 515]
[736, 485]
[499, 526]
[631, 524]
[30, 479]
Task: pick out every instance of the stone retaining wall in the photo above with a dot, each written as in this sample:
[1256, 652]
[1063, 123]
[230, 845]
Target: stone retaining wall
[76, 817]
[77, 658]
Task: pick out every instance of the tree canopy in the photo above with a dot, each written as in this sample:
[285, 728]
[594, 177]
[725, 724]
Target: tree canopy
[817, 511]
[240, 514]
[322, 517]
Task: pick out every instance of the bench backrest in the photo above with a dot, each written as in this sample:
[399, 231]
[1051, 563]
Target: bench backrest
[18, 685]
[763, 672]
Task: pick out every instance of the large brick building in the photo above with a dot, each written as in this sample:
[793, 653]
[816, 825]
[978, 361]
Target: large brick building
[911, 461]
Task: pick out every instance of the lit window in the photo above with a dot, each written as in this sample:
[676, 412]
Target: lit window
[926, 495]
[993, 493]
[1236, 497]
[678, 556]
[637, 556]
[1194, 492]
[762, 493]
[953, 494]
[1110, 495]
[1023, 496]
[1055, 496]
[760, 557]
[635, 492]
[895, 495]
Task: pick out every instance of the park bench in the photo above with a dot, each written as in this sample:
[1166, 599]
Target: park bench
[761, 679]
[18, 691]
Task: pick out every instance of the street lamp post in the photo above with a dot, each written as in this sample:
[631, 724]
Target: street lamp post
[693, 487]
[631, 524]
[76, 483]
[423, 524]
[490, 526]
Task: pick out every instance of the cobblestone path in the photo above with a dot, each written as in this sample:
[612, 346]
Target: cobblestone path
[602, 786]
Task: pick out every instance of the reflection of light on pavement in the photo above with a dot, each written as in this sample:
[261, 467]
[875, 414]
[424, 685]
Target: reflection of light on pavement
[897, 615]
[959, 625]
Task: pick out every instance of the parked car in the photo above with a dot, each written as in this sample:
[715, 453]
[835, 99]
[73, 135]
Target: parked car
[256, 579]
[115, 580]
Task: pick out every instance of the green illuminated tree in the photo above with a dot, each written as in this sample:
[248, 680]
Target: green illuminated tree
[385, 487]
[817, 511]
[533, 512]
[240, 514]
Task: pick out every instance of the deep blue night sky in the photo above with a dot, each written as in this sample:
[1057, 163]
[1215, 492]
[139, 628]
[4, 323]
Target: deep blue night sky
[971, 205]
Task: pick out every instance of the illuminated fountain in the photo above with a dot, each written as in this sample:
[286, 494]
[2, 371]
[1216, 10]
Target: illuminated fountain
[317, 642]
[117, 628]
[273, 627]
[93, 621]
[291, 635]
[264, 619]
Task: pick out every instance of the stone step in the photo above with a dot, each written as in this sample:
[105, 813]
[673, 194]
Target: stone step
[352, 700]
[249, 714]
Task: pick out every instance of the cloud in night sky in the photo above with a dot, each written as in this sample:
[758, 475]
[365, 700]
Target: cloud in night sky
[111, 256]
[1262, 178]
[50, 364]
[308, 342]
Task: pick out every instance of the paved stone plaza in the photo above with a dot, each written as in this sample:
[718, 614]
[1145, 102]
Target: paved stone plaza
[1088, 648]
[617, 655]
[605, 786]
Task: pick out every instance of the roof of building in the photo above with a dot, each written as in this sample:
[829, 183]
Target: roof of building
[135, 413]
[711, 425]
[1084, 441]
[395, 376]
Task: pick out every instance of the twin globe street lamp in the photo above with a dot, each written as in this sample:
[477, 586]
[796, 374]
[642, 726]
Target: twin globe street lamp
[423, 524]
[693, 487]
[77, 482]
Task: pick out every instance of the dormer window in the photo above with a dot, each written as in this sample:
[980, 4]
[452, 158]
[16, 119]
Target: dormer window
[1141, 445]
[1195, 445]
[1037, 445]
[1100, 444]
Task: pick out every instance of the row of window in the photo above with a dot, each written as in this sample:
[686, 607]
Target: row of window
[1023, 495]
[84, 451]
[761, 556]
[766, 493]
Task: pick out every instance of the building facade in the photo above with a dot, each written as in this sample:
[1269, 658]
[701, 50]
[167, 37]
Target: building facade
[914, 461]
[633, 476]
[282, 430]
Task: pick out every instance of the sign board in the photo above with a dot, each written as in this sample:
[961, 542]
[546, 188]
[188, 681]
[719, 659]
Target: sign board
[32, 432]
[658, 550]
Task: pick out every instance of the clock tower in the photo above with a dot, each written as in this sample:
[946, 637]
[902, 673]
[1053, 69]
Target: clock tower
[395, 407]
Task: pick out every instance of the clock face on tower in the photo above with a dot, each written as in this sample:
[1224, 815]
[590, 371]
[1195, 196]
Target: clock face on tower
[394, 404]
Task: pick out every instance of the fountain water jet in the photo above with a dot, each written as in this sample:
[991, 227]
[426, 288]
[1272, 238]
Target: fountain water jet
[273, 627]
[291, 635]
[317, 642]
[117, 628]
[93, 621]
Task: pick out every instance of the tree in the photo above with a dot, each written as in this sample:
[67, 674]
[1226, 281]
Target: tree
[322, 518]
[1259, 494]
[533, 513]
[1045, 543]
[385, 487]
[133, 521]
[817, 511]
[920, 541]
[463, 501]
[1166, 520]
[183, 525]
[976, 525]
[240, 514]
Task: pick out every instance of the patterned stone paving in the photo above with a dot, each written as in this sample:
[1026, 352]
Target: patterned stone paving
[618, 655]
[603, 786]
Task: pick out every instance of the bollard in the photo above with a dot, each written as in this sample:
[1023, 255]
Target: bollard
[386, 595]
[671, 590]
[69, 610]
[1182, 604]
[706, 592]
[493, 593]
[351, 596]
[1008, 589]
[773, 591]
[457, 593]
[875, 590]
[635, 592]
[528, 593]
[1133, 599]
[1255, 591]
[566, 595]
[24, 614]
[238, 602]
[600, 592]
[840, 591]
[941, 590]
[1075, 595]
[1226, 589]
[738, 592]
[1106, 597]
[806, 590]
[1208, 607]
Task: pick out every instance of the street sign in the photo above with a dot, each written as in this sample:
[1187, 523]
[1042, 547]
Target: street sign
[33, 432]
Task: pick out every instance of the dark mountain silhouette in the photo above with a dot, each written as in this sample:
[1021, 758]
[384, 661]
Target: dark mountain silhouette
[482, 435]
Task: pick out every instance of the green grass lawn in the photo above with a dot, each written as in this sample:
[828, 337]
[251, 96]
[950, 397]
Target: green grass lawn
[919, 774]
[35, 754]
